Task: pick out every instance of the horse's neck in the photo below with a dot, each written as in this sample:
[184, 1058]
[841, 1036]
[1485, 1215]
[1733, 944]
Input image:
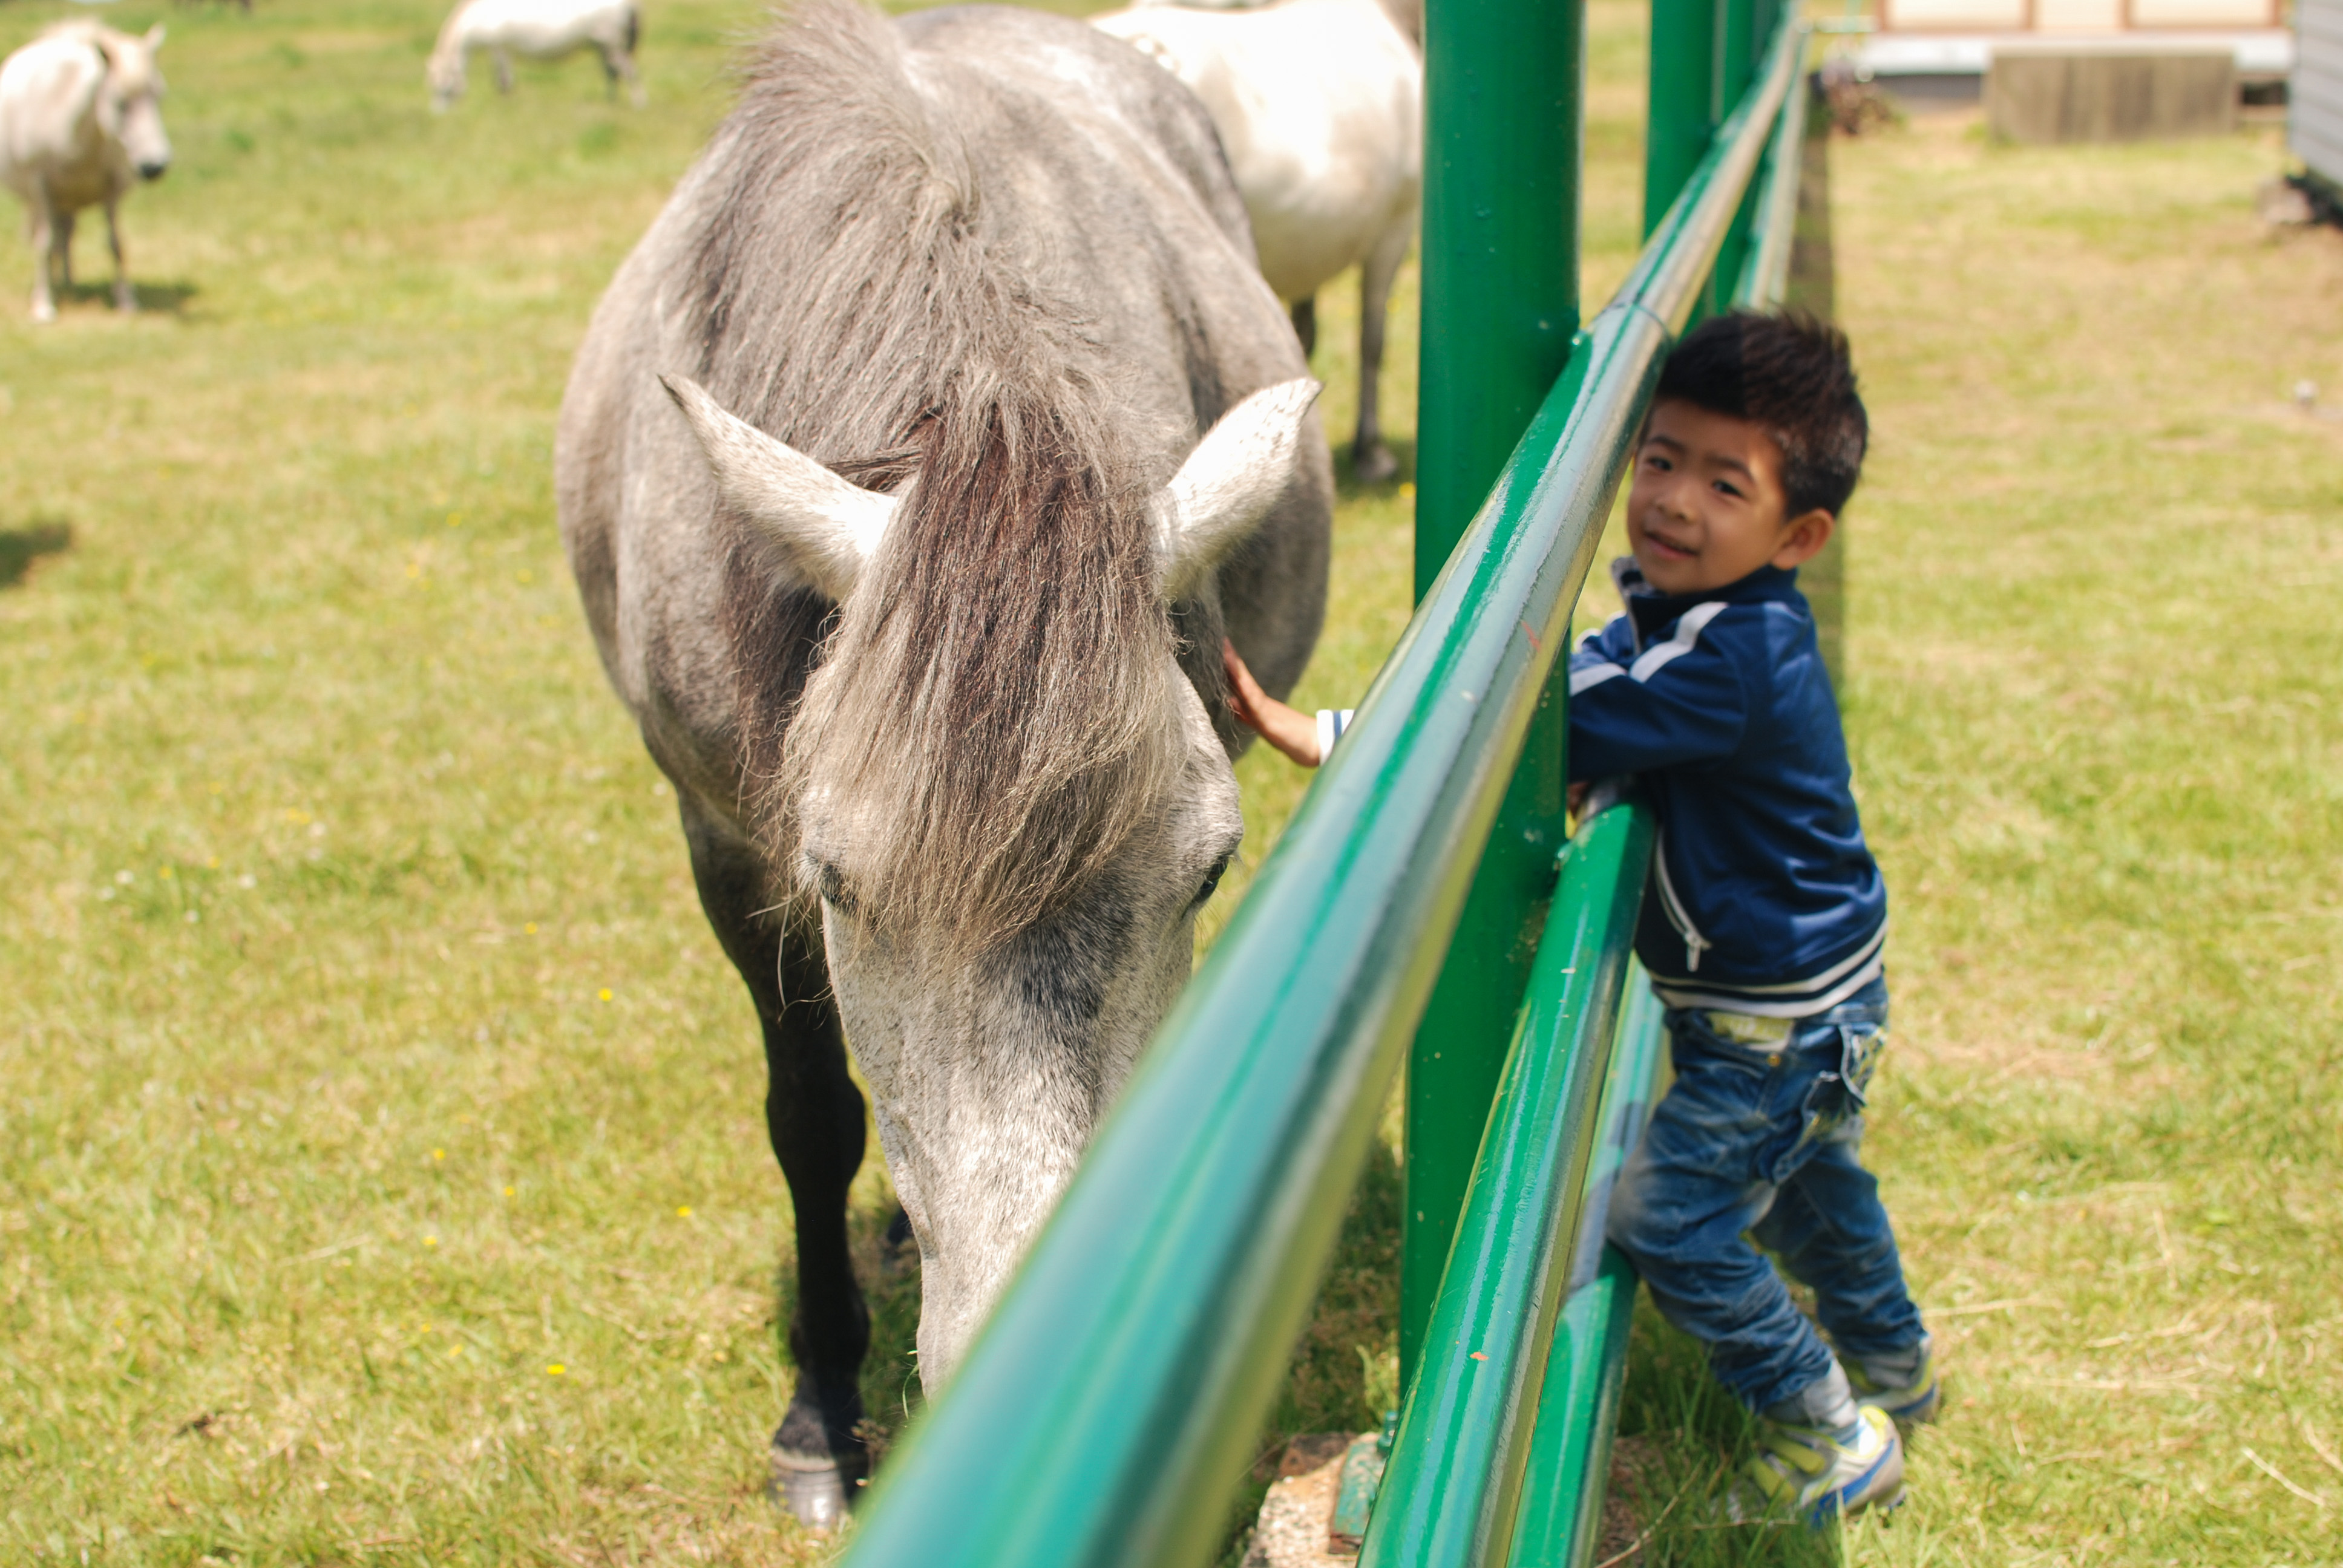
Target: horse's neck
[1407, 15]
[452, 32]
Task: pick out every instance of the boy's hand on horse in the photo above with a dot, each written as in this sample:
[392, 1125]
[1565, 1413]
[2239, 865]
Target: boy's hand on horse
[1289, 730]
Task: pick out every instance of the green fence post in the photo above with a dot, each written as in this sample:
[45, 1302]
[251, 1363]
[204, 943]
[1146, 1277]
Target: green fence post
[1737, 40]
[1503, 134]
[1812, 286]
[1683, 112]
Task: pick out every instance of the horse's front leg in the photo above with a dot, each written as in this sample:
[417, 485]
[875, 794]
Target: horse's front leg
[125, 297]
[61, 238]
[1305, 324]
[1370, 461]
[814, 1114]
[44, 260]
[625, 67]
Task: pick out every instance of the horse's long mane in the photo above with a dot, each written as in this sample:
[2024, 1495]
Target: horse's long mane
[991, 700]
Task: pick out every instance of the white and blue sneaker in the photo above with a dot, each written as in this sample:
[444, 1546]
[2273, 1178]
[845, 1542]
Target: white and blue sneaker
[1908, 1397]
[1813, 1475]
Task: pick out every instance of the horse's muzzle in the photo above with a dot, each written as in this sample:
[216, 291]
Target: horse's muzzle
[152, 171]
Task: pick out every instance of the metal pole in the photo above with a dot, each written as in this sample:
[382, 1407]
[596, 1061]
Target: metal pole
[1503, 91]
[1504, 138]
[1683, 112]
[1736, 45]
[1811, 286]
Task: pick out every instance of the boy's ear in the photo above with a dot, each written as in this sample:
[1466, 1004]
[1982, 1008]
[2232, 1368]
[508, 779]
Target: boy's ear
[1803, 539]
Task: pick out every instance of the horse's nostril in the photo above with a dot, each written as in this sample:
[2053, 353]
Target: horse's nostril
[152, 171]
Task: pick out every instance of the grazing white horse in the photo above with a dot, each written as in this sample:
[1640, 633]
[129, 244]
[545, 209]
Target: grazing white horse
[536, 30]
[1320, 107]
[81, 121]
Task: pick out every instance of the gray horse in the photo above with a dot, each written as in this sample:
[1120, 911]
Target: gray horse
[913, 471]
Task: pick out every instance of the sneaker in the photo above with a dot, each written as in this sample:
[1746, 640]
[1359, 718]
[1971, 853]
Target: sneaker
[1805, 1474]
[1910, 1402]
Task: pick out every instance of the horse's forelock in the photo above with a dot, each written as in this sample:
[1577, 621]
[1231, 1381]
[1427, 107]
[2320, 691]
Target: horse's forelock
[994, 701]
[996, 704]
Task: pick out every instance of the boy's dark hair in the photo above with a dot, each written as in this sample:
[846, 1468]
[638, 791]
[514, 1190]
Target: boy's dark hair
[1791, 373]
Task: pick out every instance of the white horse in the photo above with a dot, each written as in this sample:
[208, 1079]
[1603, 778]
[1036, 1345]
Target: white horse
[1407, 14]
[536, 30]
[1320, 107]
[81, 121]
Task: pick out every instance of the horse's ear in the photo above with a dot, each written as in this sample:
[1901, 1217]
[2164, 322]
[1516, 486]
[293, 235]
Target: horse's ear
[1228, 483]
[154, 37]
[826, 527]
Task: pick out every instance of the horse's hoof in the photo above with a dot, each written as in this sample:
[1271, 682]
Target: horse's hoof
[812, 1488]
[1375, 466]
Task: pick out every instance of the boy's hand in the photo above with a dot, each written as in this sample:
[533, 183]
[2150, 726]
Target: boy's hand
[1291, 731]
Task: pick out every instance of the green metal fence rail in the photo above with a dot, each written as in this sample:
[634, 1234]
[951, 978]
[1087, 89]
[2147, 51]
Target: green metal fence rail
[1453, 1486]
[1765, 276]
[1106, 1412]
[1561, 1489]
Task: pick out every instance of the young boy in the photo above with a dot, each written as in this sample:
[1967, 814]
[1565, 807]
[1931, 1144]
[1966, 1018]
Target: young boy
[1765, 917]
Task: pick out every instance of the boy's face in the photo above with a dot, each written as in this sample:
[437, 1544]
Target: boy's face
[1707, 507]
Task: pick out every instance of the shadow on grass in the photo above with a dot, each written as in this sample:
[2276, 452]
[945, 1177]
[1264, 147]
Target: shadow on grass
[1688, 1437]
[1347, 485]
[170, 298]
[21, 547]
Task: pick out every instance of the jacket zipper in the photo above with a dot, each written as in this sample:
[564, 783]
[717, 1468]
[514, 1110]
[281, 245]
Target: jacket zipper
[1670, 905]
[1620, 571]
[1672, 908]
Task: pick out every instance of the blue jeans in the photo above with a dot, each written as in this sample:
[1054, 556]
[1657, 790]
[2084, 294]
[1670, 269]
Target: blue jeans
[1760, 1139]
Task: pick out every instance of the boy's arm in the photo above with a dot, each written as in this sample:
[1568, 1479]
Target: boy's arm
[1677, 703]
[1289, 730]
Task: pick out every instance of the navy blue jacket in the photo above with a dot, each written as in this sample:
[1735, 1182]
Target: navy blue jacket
[1763, 898]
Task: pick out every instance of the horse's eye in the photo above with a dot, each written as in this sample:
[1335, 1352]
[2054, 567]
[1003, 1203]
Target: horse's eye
[1213, 878]
[833, 889]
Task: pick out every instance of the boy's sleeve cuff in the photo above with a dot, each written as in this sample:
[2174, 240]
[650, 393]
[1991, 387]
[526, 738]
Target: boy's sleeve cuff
[1332, 722]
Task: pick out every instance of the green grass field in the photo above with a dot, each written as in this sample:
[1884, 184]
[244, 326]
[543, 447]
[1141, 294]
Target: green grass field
[382, 1171]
